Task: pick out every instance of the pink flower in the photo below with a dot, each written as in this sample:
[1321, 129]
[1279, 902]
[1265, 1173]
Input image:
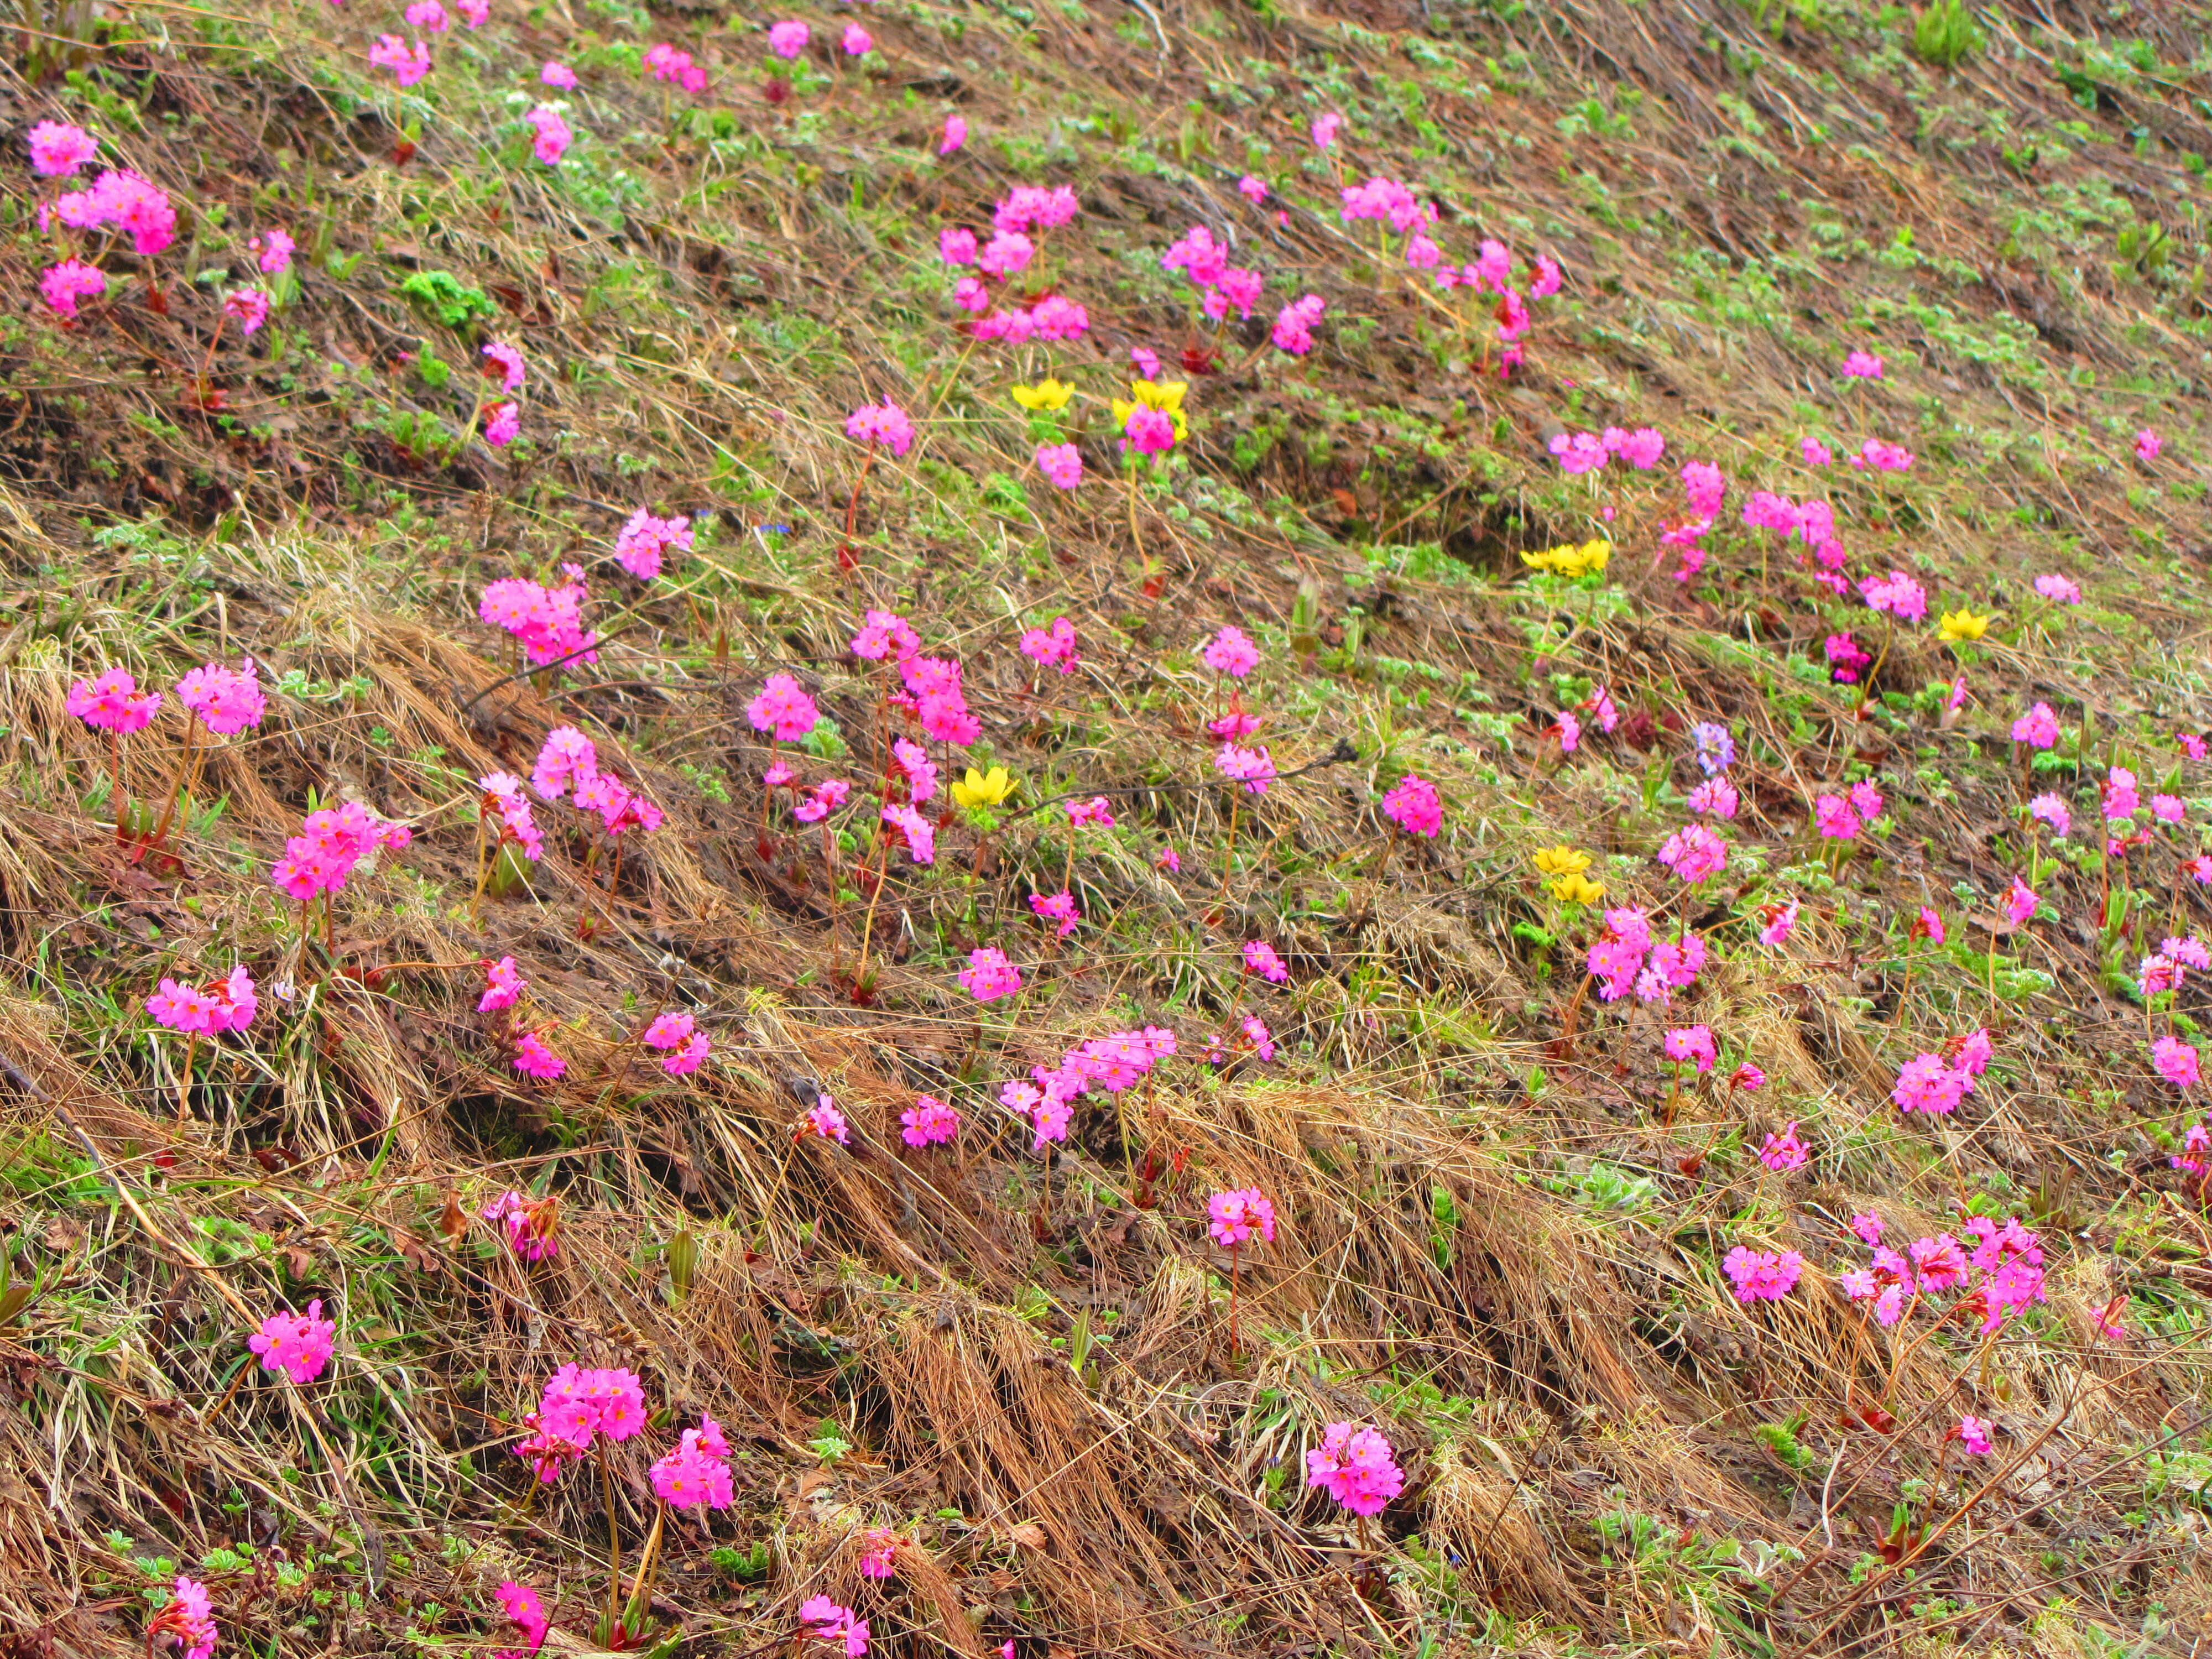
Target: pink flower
[1863, 365]
[1253, 190]
[428, 16]
[62, 286]
[1973, 1434]
[879, 1549]
[789, 38]
[824, 799]
[830, 1622]
[226, 701]
[697, 1472]
[58, 149]
[920, 835]
[189, 1617]
[508, 360]
[1149, 431]
[1057, 907]
[112, 701]
[557, 75]
[1054, 647]
[2050, 808]
[1763, 1275]
[1783, 1152]
[1170, 860]
[1868, 1224]
[1295, 323]
[1694, 852]
[1748, 1078]
[1692, 1042]
[928, 1122]
[956, 134]
[272, 252]
[1816, 452]
[824, 1119]
[2148, 444]
[1061, 464]
[1780, 926]
[1355, 1467]
[566, 756]
[1250, 767]
[523, 1608]
[989, 975]
[1897, 594]
[408, 61]
[502, 424]
[1260, 958]
[553, 137]
[1579, 452]
[1323, 130]
[1414, 806]
[2175, 1061]
[1715, 796]
[250, 306]
[297, 1344]
[1925, 1083]
[2060, 590]
[503, 983]
[2121, 800]
[1882, 455]
[1231, 652]
[883, 632]
[1236, 1216]
[884, 424]
[2020, 902]
[124, 199]
[783, 708]
[1261, 1039]
[2038, 728]
[645, 541]
[2168, 809]
[857, 41]
[534, 1059]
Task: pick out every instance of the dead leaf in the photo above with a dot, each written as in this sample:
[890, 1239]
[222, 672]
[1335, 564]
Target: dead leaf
[1029, 1536]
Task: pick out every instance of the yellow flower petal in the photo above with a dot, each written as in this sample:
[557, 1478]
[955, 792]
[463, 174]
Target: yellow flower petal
[1562, 860]
[1575, 888]
[1962, 624]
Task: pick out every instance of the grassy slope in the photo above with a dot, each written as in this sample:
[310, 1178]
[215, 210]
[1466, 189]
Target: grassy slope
[1499, 1250]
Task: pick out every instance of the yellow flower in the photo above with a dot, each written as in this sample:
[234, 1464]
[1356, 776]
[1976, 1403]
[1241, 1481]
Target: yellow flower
[1962, 624]
[1047, 393]
[1595, 554]
[1562, 860]
[1575, 888]
[983, 789]
[1571, 561]
[1547, 560]
[1166, 396]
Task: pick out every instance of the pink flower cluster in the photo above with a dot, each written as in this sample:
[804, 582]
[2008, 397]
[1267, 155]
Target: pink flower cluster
[933, 696]
[1882, 457]
[1115, 1062]
[928, 1122]
[298, 1345]
[189, 1617]
[673, 64]
[678, 1035]
[1220, 284]
[523, 1608]
[1414, 806]
[2007, 1257]
[1232, 1217]
[331, 842]
[1694, 852]
[1294, 323]
[1897, 594]
[1052, 647]
[504, 800]
[1585, 452]
[1684, 1043]
[783, 708]
[645, 540]
[1056, 317]
[548, 621]
[1354, 1466]
[63, 286]
[1057, 907]
[1840, 817]
[577, 1407]
[914, 829]
[989, 975]
[884, 424]
[568, 756]
[132, 204]
[223, 1005]
[553, 135]
[112, 701]
[1626, 957]
[1763, 1275]
[697, 1472]
[226, 701]
[407, 60]
[1931, 1083]
[58, 149]
[829, 1621]
[526, 1223]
